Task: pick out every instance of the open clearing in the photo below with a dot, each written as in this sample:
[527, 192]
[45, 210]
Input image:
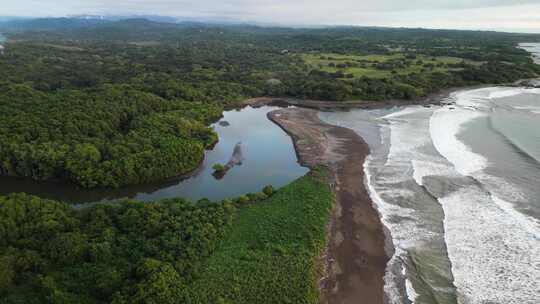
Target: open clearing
[379, 66]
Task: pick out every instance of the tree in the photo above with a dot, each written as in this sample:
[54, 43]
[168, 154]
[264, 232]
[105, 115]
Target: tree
[219, 167]
[159, 283]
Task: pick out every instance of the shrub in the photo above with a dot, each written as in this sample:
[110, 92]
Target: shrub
[218, 167]
[243, 199]
[268, 190]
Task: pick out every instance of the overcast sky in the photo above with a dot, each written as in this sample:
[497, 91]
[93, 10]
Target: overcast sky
[519, 15]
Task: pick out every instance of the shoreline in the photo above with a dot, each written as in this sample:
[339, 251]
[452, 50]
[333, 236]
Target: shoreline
[355, 257]
[326, 105]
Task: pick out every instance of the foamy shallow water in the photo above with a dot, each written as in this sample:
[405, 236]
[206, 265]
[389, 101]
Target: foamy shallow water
[459, 198]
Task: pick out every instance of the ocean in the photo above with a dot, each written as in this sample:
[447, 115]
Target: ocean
[458, 188]
[534, 49]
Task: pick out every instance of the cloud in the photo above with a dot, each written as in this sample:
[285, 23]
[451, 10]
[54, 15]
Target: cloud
[427, 13]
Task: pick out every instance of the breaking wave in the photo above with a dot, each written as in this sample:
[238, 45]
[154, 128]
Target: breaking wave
[458, 220]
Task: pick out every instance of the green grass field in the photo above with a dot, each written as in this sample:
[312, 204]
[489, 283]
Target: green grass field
[370, 65]
[270, 254]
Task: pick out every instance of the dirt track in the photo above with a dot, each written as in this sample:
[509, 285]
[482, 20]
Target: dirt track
[355, 258]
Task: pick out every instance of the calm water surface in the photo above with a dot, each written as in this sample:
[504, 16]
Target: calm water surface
[269, 159]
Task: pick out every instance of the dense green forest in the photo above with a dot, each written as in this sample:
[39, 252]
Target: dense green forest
[225, 63]
[259, 248]
[108, 136]
[109, 103]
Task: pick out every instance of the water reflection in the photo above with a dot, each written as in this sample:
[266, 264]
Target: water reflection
[268, 158]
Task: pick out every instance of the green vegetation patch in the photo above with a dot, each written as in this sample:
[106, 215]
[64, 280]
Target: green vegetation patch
[417, 69]
[270, 252]
[226, 64]
[127, 252]
[381, 66]
[261, 248]
[108, 137]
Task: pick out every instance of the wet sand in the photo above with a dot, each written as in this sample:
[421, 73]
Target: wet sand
[355, 258]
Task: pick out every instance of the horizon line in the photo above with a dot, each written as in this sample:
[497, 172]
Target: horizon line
[227, 21]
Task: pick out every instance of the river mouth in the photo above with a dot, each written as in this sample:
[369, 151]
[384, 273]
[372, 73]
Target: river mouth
[268, 158]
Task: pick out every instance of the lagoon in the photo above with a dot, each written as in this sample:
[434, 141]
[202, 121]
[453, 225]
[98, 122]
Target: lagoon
[268, 155]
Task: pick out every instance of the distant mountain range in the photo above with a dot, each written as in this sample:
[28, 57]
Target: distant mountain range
[156, 18]
[91, 21]
[107, 25]
[45, 24]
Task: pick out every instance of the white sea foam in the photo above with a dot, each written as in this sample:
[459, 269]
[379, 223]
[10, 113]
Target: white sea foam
[403, 143]
[399, 241]
[490, 93]
[493, 93]
[504, 92]
[404, 112]
[408, 134]
[424, 168]
[529, 108]
[494, 249]
[390, 288]
[447, 122]
[445, 125]
[411, 293]
[527, 223]
[493, 259]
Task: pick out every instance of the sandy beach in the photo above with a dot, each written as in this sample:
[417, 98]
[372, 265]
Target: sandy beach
[355, 259]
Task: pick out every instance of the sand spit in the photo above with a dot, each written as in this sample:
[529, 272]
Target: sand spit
[355, 259]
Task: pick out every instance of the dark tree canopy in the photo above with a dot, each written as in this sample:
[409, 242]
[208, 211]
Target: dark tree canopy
[130, 252]
[109, 136]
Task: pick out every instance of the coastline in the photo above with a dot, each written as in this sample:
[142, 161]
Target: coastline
[355, 258]
[326, 105]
